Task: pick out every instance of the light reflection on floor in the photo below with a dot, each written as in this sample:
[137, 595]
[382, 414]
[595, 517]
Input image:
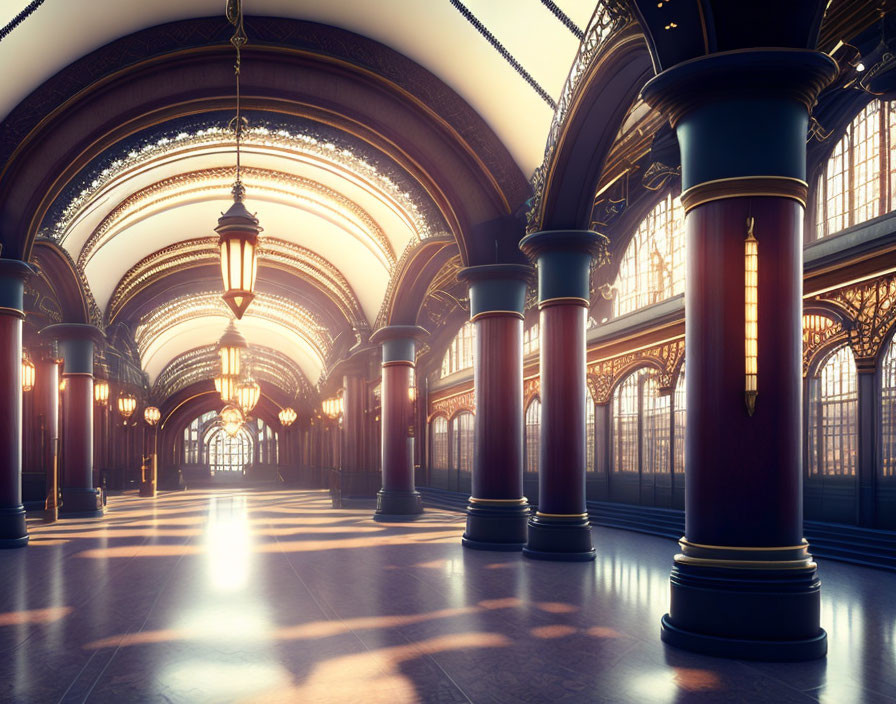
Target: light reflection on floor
[230, 595]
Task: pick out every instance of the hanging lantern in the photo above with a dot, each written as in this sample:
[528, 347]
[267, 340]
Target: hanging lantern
[333, 407]
[127, 404]
[230, 348]
[28, 373]
[232, 419]
[287, 417]
[152, 415]
[237, 228]
[101, 391]
[225, 385]
[247, 394]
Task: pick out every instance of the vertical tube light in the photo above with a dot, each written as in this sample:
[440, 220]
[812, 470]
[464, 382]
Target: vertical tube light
[751, 318]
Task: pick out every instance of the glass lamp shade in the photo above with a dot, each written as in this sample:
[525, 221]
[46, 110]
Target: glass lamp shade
[247, 394]
[287, 417]
[333, 407]
[28, 374]
[152, 415]
[127, 404]
[232, 419]
[101, 391]
[229, 350]
[226, 385]
[238, 241]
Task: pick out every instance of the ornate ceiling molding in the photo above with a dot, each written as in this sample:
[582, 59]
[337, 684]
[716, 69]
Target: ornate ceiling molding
[202, 364]
[273, 309]
[204, 252]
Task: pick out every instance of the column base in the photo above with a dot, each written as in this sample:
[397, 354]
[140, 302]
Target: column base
[397, 505]
[148, 489]
[559, 538]
[13, 531]
[768, 614]
[496, 525]
[81, 503]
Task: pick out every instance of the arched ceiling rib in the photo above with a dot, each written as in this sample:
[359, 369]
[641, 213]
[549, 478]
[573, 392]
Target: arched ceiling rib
[193, 321]
[203, 252]
[202, 364]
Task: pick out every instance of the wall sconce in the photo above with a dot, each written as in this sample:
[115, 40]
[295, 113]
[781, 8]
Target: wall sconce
[101, 391]
[152, 415]
[28, 373]
[62, 385]
[751, 318]
[127, 404]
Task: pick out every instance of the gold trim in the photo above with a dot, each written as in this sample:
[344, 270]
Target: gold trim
[67, 374]
[805, 564]
[745, 187]
[497, 314]
[519, 502]
[14, 312]
[684, 542]
[398, 363]
[563, 300]
[561, 515]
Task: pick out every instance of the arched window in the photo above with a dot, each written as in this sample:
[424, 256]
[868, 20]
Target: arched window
[439, 434]
[533, 434]
[641, 432]
[530, 339]
[652, 268]
[462, 427]
[229, 453]
[833, 400]
[888, 410]
[589, 431]
[192, 437]
[857, 183]
[459, 355]
[681, 416]
[268, 450]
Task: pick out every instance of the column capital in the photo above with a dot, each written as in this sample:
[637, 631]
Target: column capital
[497, 288]
[743, 113]
[563, 259]
[398, 341]
[13, 274]
[78, 341]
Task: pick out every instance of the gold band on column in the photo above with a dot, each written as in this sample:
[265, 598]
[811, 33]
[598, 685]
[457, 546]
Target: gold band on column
[564, 301]
[398, 363]
[561, 515]
[497, 314]
[514, 502]
[14, 312]
[745, 187]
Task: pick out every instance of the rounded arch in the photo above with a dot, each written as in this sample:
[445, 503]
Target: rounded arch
[647, 363]
[300, 68]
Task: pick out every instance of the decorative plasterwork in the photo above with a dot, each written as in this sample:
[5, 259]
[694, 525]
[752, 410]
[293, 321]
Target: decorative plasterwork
[262, 134]
[204, 251]
[665, 359]
[301, 192]
[454, 404]
[531, 389]
[871, 306]
[819, 332]
[609, 16]
[275, 309]
[202, 364]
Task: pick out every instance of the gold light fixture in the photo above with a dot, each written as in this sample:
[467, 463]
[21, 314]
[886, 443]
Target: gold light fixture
[230, 348]
[101, 391]
[751, 317]
[232, 419]
[152, 415]
[127, 404]
[238, 229]
[28, 372]
[287, 416]
[333, 407]
[226, 385]
[62, 385]
[247, 394]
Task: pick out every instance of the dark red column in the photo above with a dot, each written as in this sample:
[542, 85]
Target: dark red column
[358, 478]
[46, 413]
[80, 497]
[560, 529]
[13, 274]
[398, 499]
[744, 584]
[498, 512]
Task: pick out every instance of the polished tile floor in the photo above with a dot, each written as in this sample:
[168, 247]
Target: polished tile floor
[254, 596]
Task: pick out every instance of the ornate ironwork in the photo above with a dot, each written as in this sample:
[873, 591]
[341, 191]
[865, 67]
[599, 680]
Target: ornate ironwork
[666, 360]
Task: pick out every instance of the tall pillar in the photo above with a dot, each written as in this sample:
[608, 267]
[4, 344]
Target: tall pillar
[560, 530]
[13, 274]
[46, 414]
[397, 500]
[80, 497]
[744, 584]
[498, 512]
[868, 406]
[354, 473]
